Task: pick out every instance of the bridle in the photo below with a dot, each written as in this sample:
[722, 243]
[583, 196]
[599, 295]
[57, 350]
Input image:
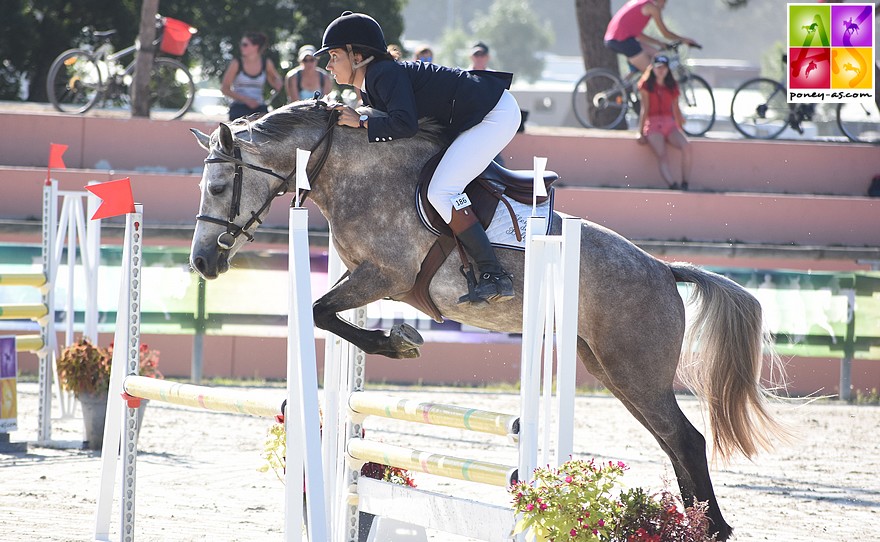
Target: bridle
[226, 240]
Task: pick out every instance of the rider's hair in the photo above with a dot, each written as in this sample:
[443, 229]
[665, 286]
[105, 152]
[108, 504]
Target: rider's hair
[369, 51]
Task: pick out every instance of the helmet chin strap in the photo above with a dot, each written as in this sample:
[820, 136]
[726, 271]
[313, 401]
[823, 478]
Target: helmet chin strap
[356, 65]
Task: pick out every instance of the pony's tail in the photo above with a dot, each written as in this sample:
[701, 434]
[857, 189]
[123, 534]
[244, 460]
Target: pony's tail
[722, 359]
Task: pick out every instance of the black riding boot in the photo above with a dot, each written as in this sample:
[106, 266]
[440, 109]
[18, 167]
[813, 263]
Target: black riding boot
[495, 285]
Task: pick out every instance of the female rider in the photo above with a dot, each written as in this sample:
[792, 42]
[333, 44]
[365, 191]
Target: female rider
[479, 115]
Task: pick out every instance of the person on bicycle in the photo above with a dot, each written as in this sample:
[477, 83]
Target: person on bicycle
[245, 78]
[479, 115]
[625, 33]
[661, 121]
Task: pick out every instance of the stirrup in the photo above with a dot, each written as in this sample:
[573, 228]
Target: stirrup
[471, 296]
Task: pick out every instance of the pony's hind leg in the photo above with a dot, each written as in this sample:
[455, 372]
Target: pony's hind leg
[651, 400]
[365, 285]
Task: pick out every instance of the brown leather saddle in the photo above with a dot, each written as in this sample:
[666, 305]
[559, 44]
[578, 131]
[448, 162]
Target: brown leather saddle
[485, 192]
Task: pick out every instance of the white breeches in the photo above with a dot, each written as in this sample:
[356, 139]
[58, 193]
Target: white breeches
[471, 152]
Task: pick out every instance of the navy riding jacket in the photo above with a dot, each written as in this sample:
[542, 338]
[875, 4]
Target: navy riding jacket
[408, 91]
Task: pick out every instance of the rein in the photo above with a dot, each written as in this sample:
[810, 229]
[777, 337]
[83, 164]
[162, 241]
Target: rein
[226, 240]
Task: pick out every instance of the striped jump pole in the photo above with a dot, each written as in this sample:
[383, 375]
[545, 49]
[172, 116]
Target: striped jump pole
[23, 311]
[37, 280]
[203, 397]
[28, 343]
[447, 466]
[430, 413]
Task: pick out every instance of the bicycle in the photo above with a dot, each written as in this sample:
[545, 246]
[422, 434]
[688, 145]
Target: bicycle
[760, 110]
[92, 74]
[603, 100]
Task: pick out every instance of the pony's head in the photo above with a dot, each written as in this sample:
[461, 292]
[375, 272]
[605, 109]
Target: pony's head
[234, 195]
[248, 165]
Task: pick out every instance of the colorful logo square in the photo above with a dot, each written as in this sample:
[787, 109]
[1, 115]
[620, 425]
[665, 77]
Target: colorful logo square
[852, 26]
[851, 68]
[808, 25]
[809, 67]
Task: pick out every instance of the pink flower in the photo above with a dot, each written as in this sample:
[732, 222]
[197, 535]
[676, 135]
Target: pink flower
[573, 533]
[543, 506]
[568, 479]
[530, 507]
[601, 523]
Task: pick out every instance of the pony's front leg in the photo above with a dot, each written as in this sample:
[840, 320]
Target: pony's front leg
[364, 286]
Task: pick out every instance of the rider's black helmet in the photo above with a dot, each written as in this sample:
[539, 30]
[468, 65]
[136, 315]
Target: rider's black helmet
[354, 29]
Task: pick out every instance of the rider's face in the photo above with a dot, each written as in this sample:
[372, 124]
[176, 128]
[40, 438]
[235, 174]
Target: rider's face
[339, 66]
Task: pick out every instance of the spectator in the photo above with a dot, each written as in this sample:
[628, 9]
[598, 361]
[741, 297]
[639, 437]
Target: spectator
[625, 34]
[424, 54]
[247, 75]
[479, 56]
[394, 51]
[306, 79]
[660, 119]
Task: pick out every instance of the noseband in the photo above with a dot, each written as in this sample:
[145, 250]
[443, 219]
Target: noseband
[226, 240]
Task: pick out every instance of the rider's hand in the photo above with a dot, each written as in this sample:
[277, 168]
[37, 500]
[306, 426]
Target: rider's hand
[347, 115]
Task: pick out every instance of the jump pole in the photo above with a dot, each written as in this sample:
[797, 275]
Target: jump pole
[301, 416]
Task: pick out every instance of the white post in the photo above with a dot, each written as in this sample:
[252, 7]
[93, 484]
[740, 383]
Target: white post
[533, 324]
[125, 361]
[567, 297]
[303, 425]
[47, 331]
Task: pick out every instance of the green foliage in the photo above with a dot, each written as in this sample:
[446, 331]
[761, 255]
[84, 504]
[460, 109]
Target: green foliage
[515, 36]
[455, 48]
[84, 368]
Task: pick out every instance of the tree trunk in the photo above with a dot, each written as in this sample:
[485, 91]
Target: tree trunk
[140, 87]
[593, 17]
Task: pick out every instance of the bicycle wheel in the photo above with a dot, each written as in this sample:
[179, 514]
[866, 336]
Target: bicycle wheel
[759, 109]
[74, 82]
[171, 89]
[599, 99]
[860, 122]
[697, 103]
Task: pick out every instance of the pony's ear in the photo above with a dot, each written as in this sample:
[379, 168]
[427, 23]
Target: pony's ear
[203, 139]
[225, 138]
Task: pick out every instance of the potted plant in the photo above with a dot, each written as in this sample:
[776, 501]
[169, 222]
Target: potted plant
[84, 369]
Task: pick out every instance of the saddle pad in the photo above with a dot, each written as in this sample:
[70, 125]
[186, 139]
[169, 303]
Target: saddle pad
[501, 230]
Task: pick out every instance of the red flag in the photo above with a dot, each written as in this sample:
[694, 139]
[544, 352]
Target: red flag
[116, 198]
[56, 150]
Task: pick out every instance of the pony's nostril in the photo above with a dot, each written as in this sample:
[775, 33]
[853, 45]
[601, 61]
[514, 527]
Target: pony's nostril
[199, 264]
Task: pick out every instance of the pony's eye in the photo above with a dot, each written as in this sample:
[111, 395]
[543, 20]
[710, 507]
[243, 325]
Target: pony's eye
[216, 189]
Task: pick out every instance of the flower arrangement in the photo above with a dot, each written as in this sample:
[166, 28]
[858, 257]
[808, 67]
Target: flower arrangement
[84, 368]
[575, 503]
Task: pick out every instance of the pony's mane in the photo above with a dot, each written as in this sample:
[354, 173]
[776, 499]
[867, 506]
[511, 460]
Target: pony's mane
[281, 122]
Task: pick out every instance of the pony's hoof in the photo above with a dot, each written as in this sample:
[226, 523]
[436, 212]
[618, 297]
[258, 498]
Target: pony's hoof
[405, 337]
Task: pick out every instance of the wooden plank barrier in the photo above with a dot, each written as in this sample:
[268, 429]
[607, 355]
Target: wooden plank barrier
[472, 419]
[444, 465]
[203, 397]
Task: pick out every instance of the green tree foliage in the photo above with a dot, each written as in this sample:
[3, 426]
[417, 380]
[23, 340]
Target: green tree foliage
[34, 32]
[515, 36]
